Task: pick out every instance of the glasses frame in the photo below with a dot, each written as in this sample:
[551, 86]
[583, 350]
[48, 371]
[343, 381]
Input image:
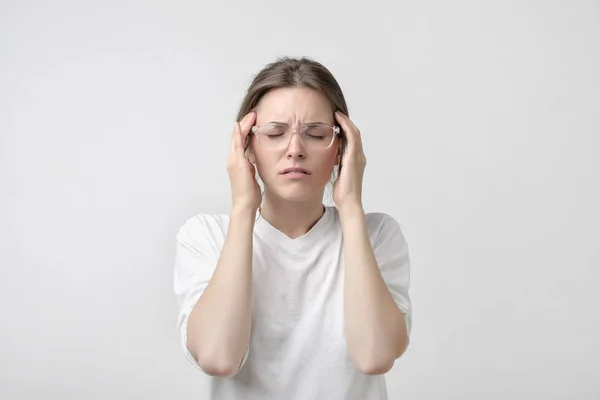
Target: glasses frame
[336, 131]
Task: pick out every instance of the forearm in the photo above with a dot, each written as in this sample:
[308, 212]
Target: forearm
[219, 326]
[375, 327]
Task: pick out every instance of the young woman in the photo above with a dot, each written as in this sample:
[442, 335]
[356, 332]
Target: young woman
[285, 298]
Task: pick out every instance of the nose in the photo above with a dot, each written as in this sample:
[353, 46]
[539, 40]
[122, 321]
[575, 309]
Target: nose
[296, 147]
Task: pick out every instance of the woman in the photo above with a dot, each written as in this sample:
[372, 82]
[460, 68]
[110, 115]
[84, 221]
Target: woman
[285, 298]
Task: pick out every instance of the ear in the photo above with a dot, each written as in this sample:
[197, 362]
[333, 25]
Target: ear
[340, 153]
[248, 149]
[251, 156]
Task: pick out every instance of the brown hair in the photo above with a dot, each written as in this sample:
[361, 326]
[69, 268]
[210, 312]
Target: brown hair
[295, 72]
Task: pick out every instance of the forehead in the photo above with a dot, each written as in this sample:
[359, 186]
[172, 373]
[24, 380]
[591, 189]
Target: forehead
[294, 104]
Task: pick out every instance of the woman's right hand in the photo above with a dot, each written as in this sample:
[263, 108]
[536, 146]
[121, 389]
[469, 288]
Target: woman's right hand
[245, 191]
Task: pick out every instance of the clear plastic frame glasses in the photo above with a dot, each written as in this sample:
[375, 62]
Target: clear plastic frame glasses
[316, 136]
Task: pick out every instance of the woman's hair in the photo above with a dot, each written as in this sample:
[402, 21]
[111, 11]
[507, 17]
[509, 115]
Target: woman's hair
[296, 72]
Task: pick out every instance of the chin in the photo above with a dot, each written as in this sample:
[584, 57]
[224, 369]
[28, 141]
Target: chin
[295, 194]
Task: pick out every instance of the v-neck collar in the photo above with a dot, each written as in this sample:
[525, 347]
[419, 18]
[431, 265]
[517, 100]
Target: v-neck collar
[280, 239]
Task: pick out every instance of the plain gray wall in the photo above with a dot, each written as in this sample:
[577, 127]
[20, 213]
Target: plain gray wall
[480, 123]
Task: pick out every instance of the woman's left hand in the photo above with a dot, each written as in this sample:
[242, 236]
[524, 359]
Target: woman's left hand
[347, 189]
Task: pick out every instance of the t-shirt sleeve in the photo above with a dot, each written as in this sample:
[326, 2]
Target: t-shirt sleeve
[392, 255]
[198, 246]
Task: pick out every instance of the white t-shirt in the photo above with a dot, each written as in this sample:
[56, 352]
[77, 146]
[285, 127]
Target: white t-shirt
[297, 346]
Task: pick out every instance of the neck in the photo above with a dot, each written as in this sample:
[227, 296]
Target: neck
[293, 218]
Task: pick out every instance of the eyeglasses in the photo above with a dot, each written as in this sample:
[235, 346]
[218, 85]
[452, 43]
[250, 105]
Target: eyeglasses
[275, 136]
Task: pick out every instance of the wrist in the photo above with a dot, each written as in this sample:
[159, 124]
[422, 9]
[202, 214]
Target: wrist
[351, 211]
[243, 214]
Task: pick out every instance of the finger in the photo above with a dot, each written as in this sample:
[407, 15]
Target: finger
[241, 129]
[348, 122]
[246, 123]
[246, 129]
[352, 132]
[235, 137]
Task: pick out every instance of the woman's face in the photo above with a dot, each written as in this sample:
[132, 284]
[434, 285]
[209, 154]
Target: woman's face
[295, 107]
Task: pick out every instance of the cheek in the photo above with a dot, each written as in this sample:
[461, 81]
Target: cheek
[265, 164]
[326, 167]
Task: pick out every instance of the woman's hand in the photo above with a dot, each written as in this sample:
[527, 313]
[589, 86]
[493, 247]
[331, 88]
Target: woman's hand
[245, 191]
[347, 189]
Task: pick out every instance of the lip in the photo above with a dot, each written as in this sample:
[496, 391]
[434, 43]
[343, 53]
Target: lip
[295, 171]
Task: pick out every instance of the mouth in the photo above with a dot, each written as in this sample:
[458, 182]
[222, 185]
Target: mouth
[295, 171]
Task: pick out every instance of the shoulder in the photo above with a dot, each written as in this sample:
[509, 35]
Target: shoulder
[378, 220]
[201, 227]
[382, 226]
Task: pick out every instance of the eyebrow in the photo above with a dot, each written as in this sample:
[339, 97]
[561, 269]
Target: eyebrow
[286, 124]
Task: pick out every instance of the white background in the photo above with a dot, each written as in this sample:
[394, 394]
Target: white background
[481, 128]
